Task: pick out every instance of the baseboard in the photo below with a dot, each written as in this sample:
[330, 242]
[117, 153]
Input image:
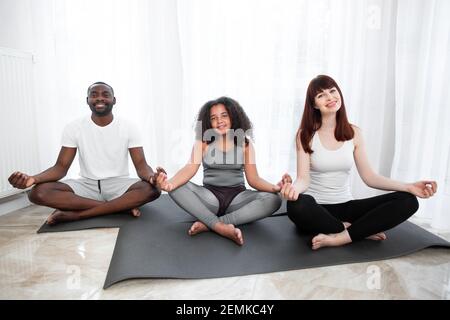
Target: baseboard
[14, 202]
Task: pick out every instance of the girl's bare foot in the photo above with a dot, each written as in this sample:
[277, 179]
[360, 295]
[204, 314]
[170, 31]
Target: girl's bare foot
[62, 216]
[229, 231]
[135, 212]
[380, 236]
[330, 240]
[197, 227]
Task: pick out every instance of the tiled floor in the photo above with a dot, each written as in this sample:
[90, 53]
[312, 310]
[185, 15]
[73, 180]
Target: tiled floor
[73, 265]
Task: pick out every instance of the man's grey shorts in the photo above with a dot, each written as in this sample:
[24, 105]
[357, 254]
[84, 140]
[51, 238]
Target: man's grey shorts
[101, 190]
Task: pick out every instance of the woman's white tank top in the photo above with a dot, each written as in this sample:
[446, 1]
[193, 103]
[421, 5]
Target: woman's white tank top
[330, 172]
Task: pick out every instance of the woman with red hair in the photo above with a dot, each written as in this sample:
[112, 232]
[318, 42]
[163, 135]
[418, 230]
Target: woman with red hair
[320, 201]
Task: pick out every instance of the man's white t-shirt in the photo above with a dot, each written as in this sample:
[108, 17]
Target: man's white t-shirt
[102, 151]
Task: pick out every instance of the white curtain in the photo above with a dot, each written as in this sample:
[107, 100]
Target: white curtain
[422, 103]
[132, 45]
[165, 58]
[264, 53]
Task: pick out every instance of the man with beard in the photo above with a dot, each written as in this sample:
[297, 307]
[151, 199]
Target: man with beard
[103, 142]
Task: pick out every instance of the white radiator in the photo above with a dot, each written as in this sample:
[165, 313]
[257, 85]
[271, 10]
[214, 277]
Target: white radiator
[18, 135]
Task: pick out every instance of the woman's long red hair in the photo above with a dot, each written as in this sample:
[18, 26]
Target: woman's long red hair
[312, 119]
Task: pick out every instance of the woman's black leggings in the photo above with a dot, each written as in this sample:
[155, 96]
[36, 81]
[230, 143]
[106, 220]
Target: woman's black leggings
[367, 216]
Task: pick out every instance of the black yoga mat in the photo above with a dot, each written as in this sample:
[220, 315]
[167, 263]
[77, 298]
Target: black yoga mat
[157, 246]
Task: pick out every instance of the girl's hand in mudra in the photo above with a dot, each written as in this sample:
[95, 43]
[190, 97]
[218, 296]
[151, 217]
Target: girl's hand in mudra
[159, 180]
[286, 178]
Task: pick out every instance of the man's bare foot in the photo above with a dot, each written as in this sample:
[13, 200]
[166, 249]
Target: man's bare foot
[229, 231]
[331, 240]
[380, 236]
[197, 227]
[135, 212]
[62, 216]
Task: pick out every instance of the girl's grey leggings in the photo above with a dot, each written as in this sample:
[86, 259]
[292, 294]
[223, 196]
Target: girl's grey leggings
[246, 207]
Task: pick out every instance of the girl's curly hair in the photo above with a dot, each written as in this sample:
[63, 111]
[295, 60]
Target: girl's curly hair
[239, 119]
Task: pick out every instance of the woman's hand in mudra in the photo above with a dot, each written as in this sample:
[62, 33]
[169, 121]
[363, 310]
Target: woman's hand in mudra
[422, 189]
[289, 192]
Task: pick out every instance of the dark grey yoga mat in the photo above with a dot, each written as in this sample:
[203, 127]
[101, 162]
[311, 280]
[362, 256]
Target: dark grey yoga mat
[117, 220]
[109, 221]
[157, 246]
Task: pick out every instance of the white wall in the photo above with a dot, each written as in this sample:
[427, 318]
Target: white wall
[16, 25]
[16, 31]
[29, 26]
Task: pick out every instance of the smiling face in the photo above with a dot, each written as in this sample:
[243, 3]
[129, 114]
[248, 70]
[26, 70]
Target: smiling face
[101, 100]
[328, 101]
[220, 119]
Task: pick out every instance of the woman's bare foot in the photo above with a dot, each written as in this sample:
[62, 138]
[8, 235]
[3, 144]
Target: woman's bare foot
[380, 236]
[331, 240]
[62, 216]
[229, 231]
[135, 212]
[197, 227]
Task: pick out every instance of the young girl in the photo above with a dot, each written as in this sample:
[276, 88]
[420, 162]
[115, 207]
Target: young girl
[223, 202]
[320, 201]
